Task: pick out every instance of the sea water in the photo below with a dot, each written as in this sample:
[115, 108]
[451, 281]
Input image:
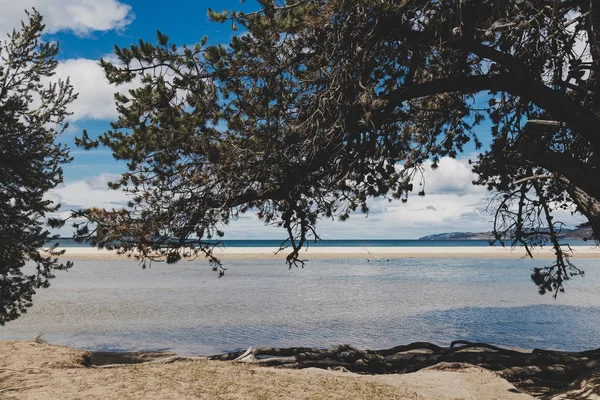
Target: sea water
[186, 308]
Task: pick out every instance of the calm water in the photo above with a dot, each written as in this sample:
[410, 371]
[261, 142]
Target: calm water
[115, 305]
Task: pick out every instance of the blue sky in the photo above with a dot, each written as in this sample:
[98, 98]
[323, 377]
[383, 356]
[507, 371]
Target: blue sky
[88, 30]
[182, 21]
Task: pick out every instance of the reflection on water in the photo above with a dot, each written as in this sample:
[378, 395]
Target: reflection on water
[114, 305]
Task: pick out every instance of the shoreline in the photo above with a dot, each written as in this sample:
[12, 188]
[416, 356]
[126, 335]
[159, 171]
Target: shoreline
[371, 253]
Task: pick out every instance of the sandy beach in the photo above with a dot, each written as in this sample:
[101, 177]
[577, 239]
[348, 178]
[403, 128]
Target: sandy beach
[30, 370]
[371, 253]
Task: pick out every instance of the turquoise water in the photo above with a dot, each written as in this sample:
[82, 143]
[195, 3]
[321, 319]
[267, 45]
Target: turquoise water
[115, 305]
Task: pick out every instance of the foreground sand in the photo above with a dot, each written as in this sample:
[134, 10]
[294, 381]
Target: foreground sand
[372, 253]
[30, 370]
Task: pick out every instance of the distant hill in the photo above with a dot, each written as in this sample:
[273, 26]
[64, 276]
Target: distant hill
[579, 234]
[459, 236]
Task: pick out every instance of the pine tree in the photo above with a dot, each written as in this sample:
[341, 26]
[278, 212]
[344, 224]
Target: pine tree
[322, 101]
[32, 115]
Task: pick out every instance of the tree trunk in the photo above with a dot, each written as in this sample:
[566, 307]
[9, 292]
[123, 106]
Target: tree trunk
[589, 206]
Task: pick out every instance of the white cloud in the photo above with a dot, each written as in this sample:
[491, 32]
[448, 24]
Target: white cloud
[85, 193]
[96, 94]
[82, 17]
[78, 16]
[92, 192]
[398, 220]
[452, 204]
[451, 176]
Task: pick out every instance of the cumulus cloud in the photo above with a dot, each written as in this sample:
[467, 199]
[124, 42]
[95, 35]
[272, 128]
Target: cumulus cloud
[91, 192]
[401, 221]
[446, 207]
[451, 176]
[79, 16]
[85, 193]
[451, 203]
[96, 94]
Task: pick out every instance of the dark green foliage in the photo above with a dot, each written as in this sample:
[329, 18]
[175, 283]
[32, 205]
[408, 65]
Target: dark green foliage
[32, 114]
[308, 113]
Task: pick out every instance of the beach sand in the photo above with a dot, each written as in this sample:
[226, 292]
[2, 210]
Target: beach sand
[30, 370]
[372, 253]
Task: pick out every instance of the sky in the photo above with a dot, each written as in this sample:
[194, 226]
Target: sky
[88, 30]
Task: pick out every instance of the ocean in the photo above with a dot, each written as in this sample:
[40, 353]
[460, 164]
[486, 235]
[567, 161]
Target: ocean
[186, 308]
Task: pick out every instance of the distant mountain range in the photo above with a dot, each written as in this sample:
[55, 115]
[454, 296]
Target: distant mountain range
[578, 233]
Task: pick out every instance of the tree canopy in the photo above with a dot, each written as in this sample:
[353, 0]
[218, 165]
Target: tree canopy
[317, 106]
[32, 114]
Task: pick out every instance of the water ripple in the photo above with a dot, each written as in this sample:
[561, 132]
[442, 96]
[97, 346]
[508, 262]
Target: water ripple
[113, 305]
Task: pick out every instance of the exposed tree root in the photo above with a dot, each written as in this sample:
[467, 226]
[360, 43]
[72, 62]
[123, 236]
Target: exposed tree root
[539, 371]
[531, 371]
[399, 359]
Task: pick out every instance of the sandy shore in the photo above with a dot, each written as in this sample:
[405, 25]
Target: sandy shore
[30, 370]
[372, 253]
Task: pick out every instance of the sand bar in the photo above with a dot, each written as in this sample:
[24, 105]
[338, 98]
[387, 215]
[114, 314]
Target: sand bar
[371, 253]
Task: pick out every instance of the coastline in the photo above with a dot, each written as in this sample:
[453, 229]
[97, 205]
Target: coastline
[371, 253]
